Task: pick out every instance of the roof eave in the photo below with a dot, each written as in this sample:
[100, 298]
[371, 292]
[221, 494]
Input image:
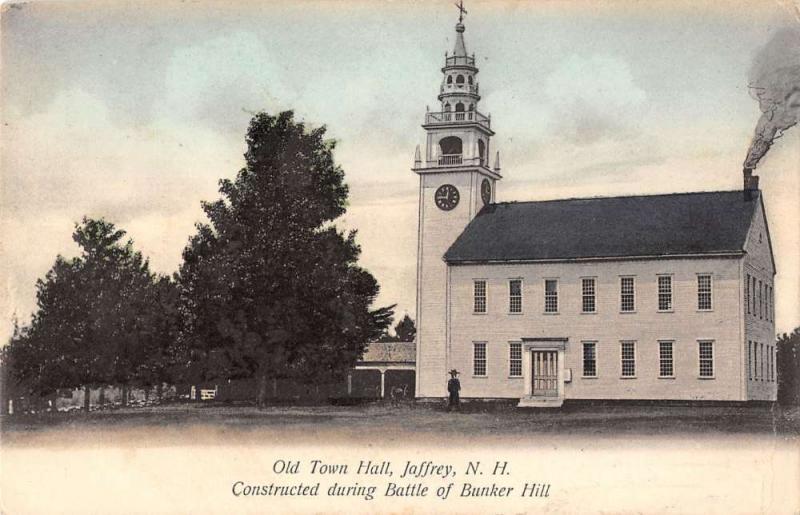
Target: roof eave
[703, 255]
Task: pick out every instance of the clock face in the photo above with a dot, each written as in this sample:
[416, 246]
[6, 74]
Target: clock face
[486, 191]
[446, 197]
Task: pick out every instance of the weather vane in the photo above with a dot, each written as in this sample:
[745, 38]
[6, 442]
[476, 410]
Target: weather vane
[461, 10]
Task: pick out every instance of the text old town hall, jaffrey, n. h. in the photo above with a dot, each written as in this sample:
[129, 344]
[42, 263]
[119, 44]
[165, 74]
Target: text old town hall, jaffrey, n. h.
[642, 297]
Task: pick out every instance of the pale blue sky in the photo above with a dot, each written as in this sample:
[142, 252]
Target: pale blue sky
[134, 110]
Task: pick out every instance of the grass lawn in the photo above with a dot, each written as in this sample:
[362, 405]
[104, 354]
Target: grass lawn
[177, 424]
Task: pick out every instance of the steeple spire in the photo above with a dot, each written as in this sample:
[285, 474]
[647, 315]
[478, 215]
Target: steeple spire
[461, 49]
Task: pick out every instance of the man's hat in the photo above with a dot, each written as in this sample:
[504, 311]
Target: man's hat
[454, 372]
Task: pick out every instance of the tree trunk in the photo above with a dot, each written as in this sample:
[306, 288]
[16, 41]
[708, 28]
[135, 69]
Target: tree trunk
[124, 395]
[261, 396]
[101, 398]
[146, 394]
[159, 391]
[86, 398]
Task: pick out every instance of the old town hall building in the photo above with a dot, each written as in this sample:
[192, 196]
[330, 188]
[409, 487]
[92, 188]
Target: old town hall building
[660, 297]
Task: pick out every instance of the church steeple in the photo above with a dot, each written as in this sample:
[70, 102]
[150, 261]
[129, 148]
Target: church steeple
[458, 133]
[456, 182]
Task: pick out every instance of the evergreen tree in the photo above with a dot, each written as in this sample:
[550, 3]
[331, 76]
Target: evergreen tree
[405, 329]
[270, 288]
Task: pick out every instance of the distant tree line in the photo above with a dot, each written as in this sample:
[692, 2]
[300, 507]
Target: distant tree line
[788, 367]
[269, 288]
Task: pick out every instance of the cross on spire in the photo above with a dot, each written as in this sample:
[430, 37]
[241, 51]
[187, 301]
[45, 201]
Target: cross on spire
[461, 10]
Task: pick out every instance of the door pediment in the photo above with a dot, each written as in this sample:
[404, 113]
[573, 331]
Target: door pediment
[529, 344]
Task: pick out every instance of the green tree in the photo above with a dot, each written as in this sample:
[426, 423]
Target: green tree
[788, 368]
[90, 323]
[270, 288]
[405, 329]
[46, 355]
[160, 357]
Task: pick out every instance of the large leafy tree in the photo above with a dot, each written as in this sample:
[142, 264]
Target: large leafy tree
[95, 316]
[270, 288]
[160, 357]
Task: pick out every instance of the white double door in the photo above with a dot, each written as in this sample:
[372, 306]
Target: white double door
[544, 373]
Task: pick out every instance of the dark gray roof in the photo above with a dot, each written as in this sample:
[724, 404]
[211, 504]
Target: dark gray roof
[390, 352]
[653, 225]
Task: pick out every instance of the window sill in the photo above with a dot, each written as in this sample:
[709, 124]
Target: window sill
[479, 312]
[627, 377]
[666, 377]
[515, 377]
[588, 377]
[588, 312]
[665, 311]
[515, 313]
[551, 313]
[705, 310]
[479, 377]
[627, 312]
[704, 378]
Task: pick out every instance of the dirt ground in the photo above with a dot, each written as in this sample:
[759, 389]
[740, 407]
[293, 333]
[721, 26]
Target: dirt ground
[186, 423]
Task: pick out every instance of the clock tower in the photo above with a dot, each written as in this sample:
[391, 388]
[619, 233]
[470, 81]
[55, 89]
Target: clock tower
[455, 182]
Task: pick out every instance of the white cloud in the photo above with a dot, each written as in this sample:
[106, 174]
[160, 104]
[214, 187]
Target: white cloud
[223, 79]
[593, 98]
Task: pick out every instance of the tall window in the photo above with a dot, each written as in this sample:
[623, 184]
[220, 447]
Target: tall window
[760, 301]
[551, 296]
[704, 292]
[774, 372]
[664, 292]
[749, 360]
[628, 355]
[479, 297]
[706, 350]
[515, 359]
[770, 304]
[589, 304]
[589, 359]
[479, 359]
[753, 294]
[665, 360]
[774, 357]
[515, 296]
[761, 351]
[769, 363]
[755, 361]
[747, 293]
[627, 294]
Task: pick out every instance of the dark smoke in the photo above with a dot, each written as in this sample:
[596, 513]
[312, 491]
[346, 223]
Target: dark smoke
[775, 83]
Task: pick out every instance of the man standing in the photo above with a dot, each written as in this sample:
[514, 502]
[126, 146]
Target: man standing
[453, 387]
